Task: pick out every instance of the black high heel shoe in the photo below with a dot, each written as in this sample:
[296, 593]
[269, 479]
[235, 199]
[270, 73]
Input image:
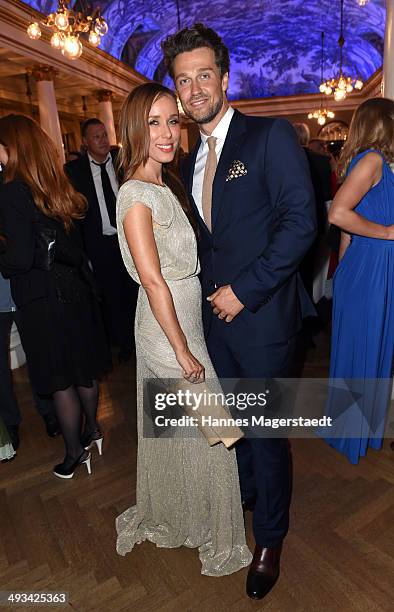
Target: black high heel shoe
[95, 438]
[62, 472]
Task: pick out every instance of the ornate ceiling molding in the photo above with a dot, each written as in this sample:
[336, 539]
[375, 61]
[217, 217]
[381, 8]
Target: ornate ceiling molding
[42, 73]
[289, 105]
[100, 69]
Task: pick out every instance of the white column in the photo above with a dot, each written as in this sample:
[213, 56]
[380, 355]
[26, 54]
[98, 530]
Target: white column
[388, 59]
[106, 114]
[49, 117]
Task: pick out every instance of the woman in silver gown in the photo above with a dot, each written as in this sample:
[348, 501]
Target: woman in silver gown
[187, 491]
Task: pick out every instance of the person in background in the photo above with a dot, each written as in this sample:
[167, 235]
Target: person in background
[59, 319]
[315, 144]
[9, 409]
[95, 177]
[73, 155]
[320, 169]
[7, 450]
[321, 148]
[313, 266]
[362, 341]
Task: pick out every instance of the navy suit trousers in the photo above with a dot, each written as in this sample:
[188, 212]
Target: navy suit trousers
[264, 464]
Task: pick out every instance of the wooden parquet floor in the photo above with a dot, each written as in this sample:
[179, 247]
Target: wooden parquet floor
[60, 535]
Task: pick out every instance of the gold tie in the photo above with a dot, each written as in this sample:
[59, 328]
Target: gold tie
[209, 175]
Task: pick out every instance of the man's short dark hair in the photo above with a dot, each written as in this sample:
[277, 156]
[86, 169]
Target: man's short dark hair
[192, 38]
[86, 124]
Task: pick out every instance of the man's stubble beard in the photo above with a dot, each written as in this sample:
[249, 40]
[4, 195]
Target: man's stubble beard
[210, 116]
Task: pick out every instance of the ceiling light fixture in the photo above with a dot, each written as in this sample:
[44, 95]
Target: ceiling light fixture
[321, 114]
[67, 25]
[341, 85]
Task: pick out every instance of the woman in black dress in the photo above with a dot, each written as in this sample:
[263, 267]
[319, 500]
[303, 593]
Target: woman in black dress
[58, 314]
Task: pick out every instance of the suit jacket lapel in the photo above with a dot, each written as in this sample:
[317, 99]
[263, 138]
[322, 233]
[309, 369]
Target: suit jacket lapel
[86, 173]
[234, 138]
[89, 188]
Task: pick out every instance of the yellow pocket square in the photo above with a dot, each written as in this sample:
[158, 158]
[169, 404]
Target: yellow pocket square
[237, 169]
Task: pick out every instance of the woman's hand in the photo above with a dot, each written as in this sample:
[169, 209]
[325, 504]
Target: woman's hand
[390, 232]
[192, 369]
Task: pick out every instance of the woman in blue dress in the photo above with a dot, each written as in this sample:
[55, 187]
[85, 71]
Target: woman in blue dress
[363, 308]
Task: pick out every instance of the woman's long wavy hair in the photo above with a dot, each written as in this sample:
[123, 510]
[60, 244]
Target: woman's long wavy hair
[372, 127]
[135, 141]
[33, 159]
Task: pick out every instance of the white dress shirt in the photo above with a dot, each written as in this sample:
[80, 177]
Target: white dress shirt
[220, 133]
[108, 230]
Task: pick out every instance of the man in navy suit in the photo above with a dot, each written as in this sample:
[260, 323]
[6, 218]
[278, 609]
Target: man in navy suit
[94, 176]
[249, 184]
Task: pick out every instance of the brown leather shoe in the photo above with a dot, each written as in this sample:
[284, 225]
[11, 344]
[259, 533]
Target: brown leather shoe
[263, 572]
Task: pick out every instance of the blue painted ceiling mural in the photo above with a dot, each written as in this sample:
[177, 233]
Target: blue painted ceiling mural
[274, 44]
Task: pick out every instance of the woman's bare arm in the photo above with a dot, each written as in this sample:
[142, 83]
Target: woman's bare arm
[361, 179]
[138, 227]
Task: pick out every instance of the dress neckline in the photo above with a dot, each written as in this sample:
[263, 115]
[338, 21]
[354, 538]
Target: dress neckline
[149, 183]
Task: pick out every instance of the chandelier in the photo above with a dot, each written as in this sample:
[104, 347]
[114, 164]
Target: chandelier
[362, 2]
[322, 114]
[341, 85]
[67, 25]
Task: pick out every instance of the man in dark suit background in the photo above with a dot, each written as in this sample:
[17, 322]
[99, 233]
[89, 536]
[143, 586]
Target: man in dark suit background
[249, 184]
[321, 172]
[95, 177]
[320, 169]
